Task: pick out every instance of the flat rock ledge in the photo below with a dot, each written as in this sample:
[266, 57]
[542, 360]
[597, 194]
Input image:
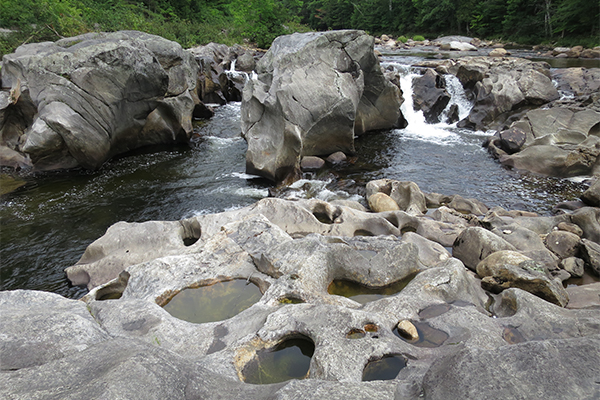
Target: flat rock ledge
[119, 342]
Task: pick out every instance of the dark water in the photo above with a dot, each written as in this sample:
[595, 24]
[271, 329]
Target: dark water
[363, 294]
[384, 369]
[47, 223]
[216, 302]
[289, 360]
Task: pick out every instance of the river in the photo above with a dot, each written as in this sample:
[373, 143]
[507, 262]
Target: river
[47, 223]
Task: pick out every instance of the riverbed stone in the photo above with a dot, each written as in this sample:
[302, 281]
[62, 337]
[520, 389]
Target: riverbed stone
[501, 87]
[574, 266]
[584, 296]
[430, 253]
[591, 196]
[460, 375]
[313, 93]
[407, 195]
[311, 163]
[379, 202]
[570, 227]
[39, 327]
[127, 244]
[504, 269]
[588, 219]
[474, 244]
[292, 250]
[563, 244]
[590, 252]
[430, 95]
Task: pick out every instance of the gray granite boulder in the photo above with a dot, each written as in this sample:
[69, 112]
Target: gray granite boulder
[474, 244]
[313, 93]
[505, 269]
[85, 99]
[38, 327]
[501, 87]
[557, 141]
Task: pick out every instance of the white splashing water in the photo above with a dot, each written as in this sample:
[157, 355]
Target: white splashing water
[232, 73]
[418, 128]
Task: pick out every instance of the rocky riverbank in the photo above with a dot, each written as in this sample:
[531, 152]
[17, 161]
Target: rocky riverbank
[470, 301]
[486, 281]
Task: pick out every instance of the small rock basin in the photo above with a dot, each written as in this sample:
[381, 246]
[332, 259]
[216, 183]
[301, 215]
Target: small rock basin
[215, 302]
[290, 359]
[364, 294]
[384, 369]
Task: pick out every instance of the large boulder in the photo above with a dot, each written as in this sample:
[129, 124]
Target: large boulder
[313, 93]
[502, 87]
[87, 98]
[558, 141]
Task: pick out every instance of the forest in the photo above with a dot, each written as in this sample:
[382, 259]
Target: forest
[258, 22]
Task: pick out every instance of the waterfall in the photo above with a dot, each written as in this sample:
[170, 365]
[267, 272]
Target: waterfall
[233, 74]
[417, 127]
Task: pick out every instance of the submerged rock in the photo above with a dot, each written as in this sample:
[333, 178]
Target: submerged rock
[313, 93]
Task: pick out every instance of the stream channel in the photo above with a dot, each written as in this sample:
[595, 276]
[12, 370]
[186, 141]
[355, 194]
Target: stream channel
[47, 223]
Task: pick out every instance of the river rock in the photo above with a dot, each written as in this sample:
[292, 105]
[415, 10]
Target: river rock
[563, 244]
[127, 244]
[584, 296]
[501, 87]
[336, 158]
[588, 219]
[379, 202]
[577, 81]
[430, 95]
[592, 195]
[557, 141]
[293, 251]
[311, 163]
[407, 329]
[498, 52]
[504, 269]
[313, 93]
[431, 254]
[39, 327]
[98, 95]
[590, 252]
[407, 195]
[474, 244]
[460, 376]
[574, 266]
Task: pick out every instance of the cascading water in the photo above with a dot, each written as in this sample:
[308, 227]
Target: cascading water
[417, 127]
[233, 74]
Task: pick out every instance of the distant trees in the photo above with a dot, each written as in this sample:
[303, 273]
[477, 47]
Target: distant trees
[192, 22]
[529, 20]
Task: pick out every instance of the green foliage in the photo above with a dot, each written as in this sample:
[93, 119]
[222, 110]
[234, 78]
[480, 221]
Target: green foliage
[195, 22]
[418, 38]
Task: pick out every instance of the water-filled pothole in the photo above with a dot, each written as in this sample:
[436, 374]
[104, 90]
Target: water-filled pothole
[384, 369]
[428, 335]
[290, 359]
[216, 302]
[291, 300]
[364, 294]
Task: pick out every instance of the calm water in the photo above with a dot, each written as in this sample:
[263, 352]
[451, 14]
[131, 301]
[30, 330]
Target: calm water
[47, 223]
